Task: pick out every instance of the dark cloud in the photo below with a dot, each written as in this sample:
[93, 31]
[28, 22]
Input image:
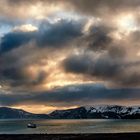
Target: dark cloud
[16, 2]
[17, 68]
[104, 7]
[14, 40]
[18, 76]
[107, 67]
[103, 58]
[18, 54]
[91, 7]
[117, 51]
[48, 35]
[78, 64]
[59, 33]
[98, 38]
[13, 73]
[72, 95]
[130, 78]
[102, 67]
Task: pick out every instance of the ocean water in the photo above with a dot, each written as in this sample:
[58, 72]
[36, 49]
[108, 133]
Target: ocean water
[69, 126]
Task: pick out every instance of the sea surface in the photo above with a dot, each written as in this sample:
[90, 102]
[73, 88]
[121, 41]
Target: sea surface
[69, 126]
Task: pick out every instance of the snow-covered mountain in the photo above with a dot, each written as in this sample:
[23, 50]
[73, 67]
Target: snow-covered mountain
[99, 112]
[86, 112]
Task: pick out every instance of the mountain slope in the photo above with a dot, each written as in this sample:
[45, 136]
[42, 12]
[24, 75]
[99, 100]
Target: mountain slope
[98, 112]
[10, 113]
[87, 112]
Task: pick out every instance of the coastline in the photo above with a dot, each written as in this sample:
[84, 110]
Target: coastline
[98, 136]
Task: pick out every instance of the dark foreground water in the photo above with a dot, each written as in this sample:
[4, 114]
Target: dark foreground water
[69, 126]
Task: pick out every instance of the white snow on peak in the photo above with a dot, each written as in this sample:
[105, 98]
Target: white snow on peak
[113, 108]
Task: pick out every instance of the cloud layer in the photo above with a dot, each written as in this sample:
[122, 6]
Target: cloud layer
[55, 44]
[74, 95]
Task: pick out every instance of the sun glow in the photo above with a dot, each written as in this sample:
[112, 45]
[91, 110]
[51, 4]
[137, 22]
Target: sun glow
[42, 108]
[126, 23]
[54, 75]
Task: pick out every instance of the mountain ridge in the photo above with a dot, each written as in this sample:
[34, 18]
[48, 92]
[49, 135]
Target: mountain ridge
[83, 112]
[13, 113]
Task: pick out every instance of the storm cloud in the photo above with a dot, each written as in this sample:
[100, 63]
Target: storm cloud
[48, 35]
[59, 33]
[51, 50]
[95, 7]
[15, 39]
[104, 67]
[71, 96]
[110, 66]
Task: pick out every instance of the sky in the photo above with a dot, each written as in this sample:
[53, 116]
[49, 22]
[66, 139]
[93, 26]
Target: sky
[61, 54]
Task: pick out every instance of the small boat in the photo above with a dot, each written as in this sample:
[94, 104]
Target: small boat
[31, 125]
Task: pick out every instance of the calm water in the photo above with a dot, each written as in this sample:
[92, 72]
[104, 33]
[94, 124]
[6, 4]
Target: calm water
[69, 126]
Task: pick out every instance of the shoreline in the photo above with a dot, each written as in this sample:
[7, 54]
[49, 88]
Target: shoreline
[97, 136]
